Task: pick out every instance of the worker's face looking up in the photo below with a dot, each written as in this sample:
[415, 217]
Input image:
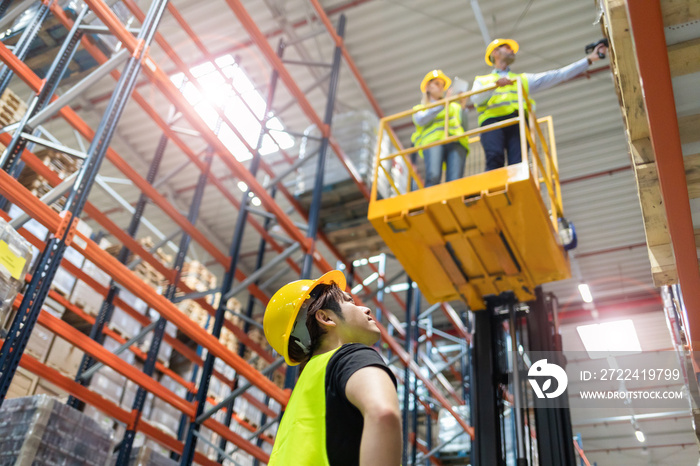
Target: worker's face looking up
[355, 324]
[503, 54]
[435, 88]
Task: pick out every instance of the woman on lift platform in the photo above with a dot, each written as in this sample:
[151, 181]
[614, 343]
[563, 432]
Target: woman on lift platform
[344, 408]
[430, 127]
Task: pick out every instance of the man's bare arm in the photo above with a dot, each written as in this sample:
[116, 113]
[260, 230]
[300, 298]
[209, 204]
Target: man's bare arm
[372, 392]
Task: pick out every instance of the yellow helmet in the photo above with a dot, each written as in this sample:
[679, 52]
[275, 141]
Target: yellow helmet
[435, 74]
[497, 43]
[283, 309]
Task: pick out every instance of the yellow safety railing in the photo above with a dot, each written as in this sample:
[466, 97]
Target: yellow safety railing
[540, 159]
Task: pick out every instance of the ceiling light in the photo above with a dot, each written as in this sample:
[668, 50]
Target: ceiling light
[585, 292]
[640, 435]
[618, 337]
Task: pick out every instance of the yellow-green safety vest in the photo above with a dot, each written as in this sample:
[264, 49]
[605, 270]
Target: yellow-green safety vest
[301, 437]
[504, 100]
[435, 130]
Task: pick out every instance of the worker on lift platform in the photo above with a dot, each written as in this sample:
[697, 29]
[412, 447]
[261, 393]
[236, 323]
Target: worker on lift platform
[344, 408]
[502, 103]
[430, 127]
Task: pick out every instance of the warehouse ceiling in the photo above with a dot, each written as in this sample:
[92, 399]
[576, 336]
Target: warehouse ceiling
[393, 44]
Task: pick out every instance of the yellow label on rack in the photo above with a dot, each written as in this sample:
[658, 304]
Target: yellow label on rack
[11, 261]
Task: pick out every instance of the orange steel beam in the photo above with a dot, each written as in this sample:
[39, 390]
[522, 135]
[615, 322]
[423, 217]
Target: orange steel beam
[190, 386]
[257, 36]
[17, 194]
[407, 361]
[97, 351]
[35, 83]
[183, 67]
[173, 136]
[168, 89]
[109, 408]
[176, 344]
[24, 73]
[264, 46]
[163, 83]
[134, 246]
[647, 26]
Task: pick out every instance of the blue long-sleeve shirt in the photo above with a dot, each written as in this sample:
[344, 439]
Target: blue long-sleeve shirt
[536, 81]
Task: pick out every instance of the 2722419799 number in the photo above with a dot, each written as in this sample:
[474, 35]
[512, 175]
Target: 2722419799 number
[640, 374]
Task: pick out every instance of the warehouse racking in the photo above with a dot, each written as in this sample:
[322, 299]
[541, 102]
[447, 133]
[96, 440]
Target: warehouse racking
[65, 233]
[106, 345]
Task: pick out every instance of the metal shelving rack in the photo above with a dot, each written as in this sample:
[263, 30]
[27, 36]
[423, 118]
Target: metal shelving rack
[63, 228]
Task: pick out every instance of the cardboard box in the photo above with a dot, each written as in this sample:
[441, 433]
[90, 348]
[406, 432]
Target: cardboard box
[22, 384]
[39, 343]
[44, 387]
[86, 298]
[96, 273]
[124, 324]
[63, 282]
[64, 357]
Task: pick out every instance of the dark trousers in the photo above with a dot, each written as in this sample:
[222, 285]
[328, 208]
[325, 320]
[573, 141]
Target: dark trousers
[497, 142]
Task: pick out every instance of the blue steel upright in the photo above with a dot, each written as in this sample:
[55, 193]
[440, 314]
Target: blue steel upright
[149, 366]
[104, 316]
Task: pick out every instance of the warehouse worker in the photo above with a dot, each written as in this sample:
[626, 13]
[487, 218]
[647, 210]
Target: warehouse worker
[502, 103]
[430, 127]
[344, 409]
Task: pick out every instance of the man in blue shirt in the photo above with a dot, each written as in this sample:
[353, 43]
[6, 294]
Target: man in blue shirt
[502, 103]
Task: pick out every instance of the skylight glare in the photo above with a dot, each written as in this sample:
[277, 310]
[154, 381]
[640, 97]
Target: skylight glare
[232, 93]
[609, 339]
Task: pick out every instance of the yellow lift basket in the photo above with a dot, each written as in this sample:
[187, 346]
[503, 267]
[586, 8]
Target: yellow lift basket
[484, 234]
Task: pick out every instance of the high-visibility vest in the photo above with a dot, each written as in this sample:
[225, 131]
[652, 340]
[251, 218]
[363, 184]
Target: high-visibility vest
[301, 437]
[435, 130]
[504, 100]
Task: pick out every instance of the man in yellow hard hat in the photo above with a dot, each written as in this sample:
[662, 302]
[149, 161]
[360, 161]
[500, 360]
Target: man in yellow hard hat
[502, 103]
[344, 409]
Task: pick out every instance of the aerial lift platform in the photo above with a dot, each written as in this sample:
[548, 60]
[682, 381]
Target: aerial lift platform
[488, 239]
[481, 235]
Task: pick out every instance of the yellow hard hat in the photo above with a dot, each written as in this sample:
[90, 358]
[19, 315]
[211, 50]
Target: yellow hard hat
[435, 74]
[283, 308]
[497, 43]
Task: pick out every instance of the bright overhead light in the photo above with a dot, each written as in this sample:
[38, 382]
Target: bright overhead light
[640, 435]
[585, 293]
[398, 287]
[356, 289]
[618, 337]
[242, 186]
[370, 279]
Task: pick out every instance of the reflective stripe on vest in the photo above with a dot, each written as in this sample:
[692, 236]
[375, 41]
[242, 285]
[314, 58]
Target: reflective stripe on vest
[504, 100]
[301, 437]
[435, 130]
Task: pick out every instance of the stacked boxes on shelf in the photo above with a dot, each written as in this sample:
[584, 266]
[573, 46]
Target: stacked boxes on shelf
[144, 270]
[198, 278]
[62, 164]
[147, 456]
[46, 348]
[42, 430]
[15, 257]
[12, 108]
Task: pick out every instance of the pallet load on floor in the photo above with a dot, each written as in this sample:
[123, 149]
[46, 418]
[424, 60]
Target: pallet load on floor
[42, 430]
